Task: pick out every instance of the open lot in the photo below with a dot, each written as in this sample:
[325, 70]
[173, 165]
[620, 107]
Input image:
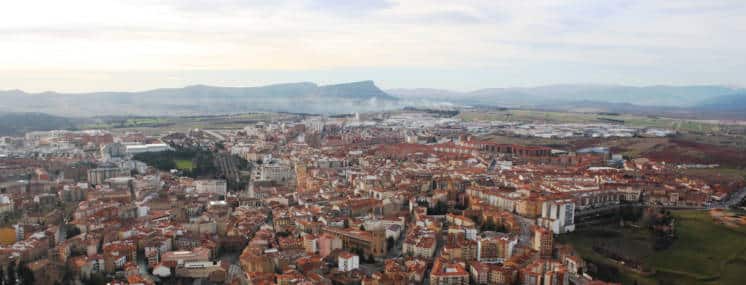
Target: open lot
[703, 253]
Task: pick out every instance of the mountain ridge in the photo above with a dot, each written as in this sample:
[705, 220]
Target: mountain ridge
[652, 95]
[362, 96]
[205, 100]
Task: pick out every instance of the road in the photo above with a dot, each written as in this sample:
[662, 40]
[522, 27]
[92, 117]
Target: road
[215, 134]
[228, 166]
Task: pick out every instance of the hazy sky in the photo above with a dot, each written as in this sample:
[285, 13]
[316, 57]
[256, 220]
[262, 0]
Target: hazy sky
[141, 44]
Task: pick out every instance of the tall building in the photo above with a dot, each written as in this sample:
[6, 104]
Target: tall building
[327, 243]
[558, 215]
[542, 241]
[347, 261]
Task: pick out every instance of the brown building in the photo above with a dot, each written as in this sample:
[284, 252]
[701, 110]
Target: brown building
[542, 241]
[370, 243]
[448, 273]
[117, 254]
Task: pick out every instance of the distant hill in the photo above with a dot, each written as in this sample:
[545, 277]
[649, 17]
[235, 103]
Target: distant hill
[665, 96]
[363, 90]
[733, 102]
[20, 123]
[346, 98]
[301, 97]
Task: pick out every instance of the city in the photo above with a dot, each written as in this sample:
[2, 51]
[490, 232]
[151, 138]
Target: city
[397, 197]
[372, 142]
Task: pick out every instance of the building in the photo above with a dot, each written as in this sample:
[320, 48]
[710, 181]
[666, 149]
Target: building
[276, 171]
[98, 176]
[370, 243]
[630, 194]
[198, 254]
[542, 241]
[327, 243]
[558, 215]
[348, 262]
[142, 148]
[495, 249]
[544, 272]
[448, 273]
[212, 271]
[113, 150]
[311, 243]
[213, 186]
[117, 254]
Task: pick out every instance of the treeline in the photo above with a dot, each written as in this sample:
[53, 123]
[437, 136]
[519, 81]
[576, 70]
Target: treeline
[662, 225]
[202, 160]
[20, 123]
[441, 113]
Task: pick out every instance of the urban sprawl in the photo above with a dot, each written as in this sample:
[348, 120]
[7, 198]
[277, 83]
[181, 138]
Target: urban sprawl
[411, 197]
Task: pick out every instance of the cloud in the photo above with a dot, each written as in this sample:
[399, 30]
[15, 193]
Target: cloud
[349, 8]
[317, 35]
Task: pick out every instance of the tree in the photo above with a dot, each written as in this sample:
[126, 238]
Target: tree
[27, 277]
[501, 228]
[390, 243]
[97, 279]
[489, 225]
[11, 274]
[71, 231]
[67, 276]
[441, 208]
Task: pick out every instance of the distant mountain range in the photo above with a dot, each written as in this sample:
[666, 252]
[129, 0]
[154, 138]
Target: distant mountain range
[668, 96]
[207, 100]
[305, 97]
[681, 101]
[726, 103]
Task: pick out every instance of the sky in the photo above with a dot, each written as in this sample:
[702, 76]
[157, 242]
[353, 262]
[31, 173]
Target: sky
[108, 45]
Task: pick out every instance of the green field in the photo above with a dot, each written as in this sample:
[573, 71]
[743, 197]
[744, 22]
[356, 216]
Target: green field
[703, 253]
[184, 164]
[529, 115]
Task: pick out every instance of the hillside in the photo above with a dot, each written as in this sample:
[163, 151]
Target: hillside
[731, 103]
[663, 96]
[20, 123]
[207, 100]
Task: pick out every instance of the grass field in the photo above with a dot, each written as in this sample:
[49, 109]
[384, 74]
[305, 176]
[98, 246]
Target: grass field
[529, 115]
[184, 164]
[703, 253]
